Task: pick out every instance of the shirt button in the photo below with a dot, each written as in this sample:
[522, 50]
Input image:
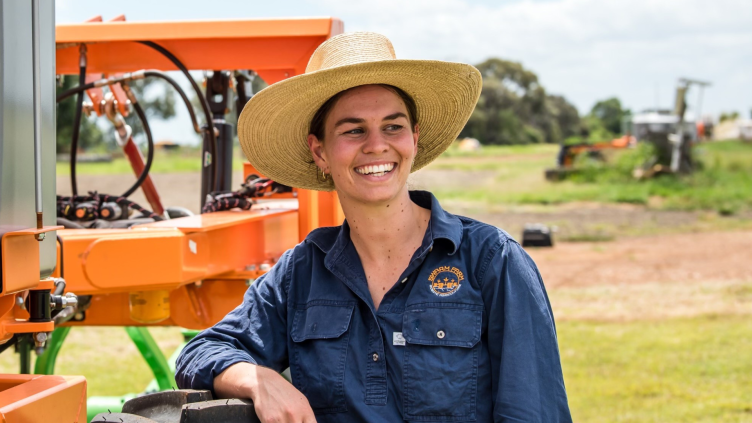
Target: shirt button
[440, 334]
[375, 357]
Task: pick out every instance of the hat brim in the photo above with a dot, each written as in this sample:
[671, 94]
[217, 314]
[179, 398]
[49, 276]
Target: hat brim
[274, 124]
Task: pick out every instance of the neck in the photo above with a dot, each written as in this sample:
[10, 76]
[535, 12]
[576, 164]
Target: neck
[377, 229]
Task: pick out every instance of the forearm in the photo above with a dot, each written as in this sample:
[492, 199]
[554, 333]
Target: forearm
[238, 381]
[275, 399]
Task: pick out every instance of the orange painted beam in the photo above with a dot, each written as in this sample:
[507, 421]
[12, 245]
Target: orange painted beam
[275, 48]
[35, 398]
[193, 306]
[168, 254]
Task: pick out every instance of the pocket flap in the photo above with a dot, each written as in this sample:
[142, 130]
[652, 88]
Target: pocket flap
[448, 326]
[321, 321]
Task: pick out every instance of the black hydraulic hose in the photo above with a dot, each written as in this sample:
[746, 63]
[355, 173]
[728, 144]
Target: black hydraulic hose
[204, 106]
[9, 343]
[79, 89]
[77, 127]
[149, 155]
[179, 89]
[153, 73]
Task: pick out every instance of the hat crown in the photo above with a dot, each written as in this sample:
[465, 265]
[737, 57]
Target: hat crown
[350, 49]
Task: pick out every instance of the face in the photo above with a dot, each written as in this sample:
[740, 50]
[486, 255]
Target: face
[368, 146]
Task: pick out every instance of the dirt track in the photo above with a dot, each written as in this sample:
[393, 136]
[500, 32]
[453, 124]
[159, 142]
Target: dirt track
[675, 258]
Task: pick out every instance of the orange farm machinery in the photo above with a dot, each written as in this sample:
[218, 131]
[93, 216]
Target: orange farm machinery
[99, 259]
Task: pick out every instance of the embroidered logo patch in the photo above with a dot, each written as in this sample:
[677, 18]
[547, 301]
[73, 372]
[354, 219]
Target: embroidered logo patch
[445, 280]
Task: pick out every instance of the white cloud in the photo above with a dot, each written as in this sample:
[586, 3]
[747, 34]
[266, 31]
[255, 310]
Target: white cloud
[584, 49]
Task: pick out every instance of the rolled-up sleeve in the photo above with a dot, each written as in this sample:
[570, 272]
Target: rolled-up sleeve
[255, 332]
[528, 385]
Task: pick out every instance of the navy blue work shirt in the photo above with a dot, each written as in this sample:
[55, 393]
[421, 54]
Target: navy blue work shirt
[465, 335]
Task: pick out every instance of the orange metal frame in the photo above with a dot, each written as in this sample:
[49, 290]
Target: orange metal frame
[275, 48]
[20, 273]
[205, 262]
[34, 398]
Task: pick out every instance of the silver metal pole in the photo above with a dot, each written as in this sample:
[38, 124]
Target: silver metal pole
[35, 37]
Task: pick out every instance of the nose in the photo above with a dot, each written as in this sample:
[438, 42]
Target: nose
[375, 143]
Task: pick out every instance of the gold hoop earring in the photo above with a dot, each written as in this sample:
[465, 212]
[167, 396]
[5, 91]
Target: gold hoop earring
[324, 176]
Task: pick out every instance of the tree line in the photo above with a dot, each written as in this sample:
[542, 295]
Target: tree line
[514, 108]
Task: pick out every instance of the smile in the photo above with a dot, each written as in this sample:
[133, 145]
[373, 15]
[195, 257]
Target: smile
[375, 170]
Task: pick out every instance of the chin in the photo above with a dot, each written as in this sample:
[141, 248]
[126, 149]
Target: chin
[376, 195]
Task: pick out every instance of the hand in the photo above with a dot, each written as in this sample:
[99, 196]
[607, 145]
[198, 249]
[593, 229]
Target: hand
[275, 399]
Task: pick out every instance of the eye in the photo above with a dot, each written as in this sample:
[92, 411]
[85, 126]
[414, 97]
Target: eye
[394, 127]
[355, 131]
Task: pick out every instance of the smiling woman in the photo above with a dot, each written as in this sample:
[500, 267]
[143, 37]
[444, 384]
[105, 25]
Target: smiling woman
[405, 312]
[368, 144]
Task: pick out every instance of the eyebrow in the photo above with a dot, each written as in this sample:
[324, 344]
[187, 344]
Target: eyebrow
[359, 120]
[348, 120]
[395, 116]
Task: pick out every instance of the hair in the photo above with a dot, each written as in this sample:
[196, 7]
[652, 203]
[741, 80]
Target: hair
[319, 119]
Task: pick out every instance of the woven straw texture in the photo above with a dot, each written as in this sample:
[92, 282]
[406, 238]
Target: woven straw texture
[274, 124]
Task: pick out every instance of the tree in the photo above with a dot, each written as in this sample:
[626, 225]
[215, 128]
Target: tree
[610, 113]
[89, 135]
[729, 116]
[514, 108]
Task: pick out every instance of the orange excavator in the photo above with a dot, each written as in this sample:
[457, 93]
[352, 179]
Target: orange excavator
[100, 259]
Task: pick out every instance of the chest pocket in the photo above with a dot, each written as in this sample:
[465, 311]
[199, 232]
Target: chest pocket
[320, 338]
[441, 361]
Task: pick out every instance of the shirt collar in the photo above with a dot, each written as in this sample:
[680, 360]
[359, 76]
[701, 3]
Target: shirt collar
[443, 225]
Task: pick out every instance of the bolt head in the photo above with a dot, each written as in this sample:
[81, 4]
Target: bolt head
[40, 336]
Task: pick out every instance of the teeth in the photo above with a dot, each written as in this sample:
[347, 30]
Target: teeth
[376, 170]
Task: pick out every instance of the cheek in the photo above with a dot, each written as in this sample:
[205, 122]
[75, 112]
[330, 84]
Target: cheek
[340, 155]
[407, 150]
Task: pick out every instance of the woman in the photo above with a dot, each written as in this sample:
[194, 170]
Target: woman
[405, 312]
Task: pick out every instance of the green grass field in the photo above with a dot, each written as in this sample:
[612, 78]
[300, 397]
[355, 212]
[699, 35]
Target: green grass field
[514, 175]
[676, 370]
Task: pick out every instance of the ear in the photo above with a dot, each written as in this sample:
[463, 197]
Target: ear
[317, 151]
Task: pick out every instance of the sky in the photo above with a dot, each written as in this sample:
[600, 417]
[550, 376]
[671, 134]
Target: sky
[585, 50]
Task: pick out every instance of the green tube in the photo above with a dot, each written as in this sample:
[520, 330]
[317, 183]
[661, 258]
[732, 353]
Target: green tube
[149, 349]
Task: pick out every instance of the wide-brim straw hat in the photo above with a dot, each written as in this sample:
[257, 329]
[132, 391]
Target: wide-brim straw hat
[275, 123]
